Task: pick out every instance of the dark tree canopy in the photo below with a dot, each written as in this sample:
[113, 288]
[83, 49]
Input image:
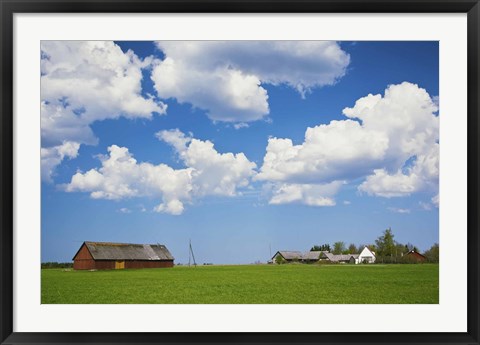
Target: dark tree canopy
[339, 248]
[323, 247]
[352, 249]
[385, 243]
[433, 254]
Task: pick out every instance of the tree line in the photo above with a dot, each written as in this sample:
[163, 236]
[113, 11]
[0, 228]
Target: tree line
[386, 249]
[57, 265]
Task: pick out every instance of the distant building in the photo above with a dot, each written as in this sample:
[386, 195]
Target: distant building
[312, 256]
[109, 256]
[287, 256]
[414, 256]
[366, 256]
[296, 256]
[340, 258]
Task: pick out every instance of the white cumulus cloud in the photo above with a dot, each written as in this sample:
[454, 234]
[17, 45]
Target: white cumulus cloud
[207, 172]
[307, 194]
[225, 77]
[87, 81]
[339, 150]
[52, 156]
[213, 173]
[406, 114]
[390, 141]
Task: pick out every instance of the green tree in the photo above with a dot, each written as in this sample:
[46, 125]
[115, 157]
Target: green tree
[352, 249]
[372, 248]
[433, 254]
[279, 259]
[386, 245]
[400, 249]
[338, 247]
[323, 247]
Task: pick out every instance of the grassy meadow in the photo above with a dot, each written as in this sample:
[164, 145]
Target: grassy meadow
[251, 284]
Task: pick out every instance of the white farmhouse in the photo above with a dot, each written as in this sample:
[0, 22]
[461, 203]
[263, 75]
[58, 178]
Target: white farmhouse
[365, 256]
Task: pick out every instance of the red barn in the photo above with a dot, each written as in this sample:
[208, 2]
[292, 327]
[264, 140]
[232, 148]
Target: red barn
[414, 256]
[109, 256]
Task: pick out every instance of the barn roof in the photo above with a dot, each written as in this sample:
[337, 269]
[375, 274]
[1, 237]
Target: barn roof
[417, 254]
[339, 257]
[290, 255]
[312, 255]
[297, 255]
[127, 251]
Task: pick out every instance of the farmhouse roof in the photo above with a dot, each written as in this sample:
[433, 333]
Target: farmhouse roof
[343, 257]
[297, 255]
[417, 254]
[290, 255]
[127, 251]
[371, 251]
[312, 255]
[340, 257]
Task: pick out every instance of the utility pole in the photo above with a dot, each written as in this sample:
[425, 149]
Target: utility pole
[191, 255]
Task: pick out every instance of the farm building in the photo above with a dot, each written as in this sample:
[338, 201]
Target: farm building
[293, 256]
[340, 258]
[109, 256]
[287, 256]
[414, 256]
[366, 256]
[311, 256]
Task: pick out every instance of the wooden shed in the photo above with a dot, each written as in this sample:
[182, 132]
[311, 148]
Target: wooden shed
[109, 256]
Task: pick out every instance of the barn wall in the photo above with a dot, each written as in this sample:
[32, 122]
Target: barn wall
[105, 264]
[83, 254]
[148, 264]
[110, 264]
[83, 264]
[83, 260]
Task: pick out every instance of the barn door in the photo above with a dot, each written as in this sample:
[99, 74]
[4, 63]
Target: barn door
[119, 265]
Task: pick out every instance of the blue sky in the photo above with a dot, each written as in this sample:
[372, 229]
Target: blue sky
[238, 146]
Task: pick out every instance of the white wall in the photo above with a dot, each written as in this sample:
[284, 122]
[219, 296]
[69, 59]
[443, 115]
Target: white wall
[366, 254]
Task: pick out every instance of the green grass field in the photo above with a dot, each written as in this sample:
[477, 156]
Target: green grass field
[252, 284]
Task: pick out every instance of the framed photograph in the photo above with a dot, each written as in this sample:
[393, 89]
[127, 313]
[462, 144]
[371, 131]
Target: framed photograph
[267, 172]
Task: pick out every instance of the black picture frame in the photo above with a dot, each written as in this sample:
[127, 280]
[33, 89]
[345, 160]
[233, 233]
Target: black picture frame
[9, 7]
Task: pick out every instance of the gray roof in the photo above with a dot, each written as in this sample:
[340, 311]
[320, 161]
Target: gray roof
[313, 255]
[297, 255]
[290, 255]
[339, 257]
[128, 251]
